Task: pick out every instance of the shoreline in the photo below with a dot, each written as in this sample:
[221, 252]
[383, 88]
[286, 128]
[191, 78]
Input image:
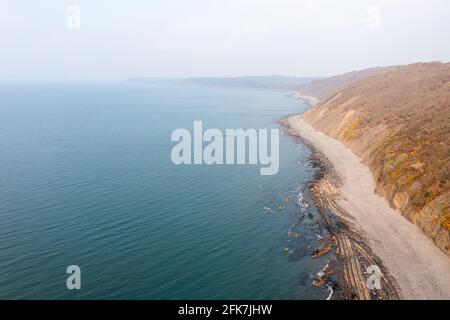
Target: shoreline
[353, 256]
[412, 266]
[311, 100]
[352, 251]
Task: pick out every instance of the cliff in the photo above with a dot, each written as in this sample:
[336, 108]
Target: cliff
[397, 119]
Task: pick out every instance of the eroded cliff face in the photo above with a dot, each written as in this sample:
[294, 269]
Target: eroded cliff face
[398, 122]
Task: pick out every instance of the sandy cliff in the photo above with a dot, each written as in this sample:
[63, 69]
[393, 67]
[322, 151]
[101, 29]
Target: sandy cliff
[397, 119]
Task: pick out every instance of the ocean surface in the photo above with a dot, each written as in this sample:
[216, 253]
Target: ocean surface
[86, 179]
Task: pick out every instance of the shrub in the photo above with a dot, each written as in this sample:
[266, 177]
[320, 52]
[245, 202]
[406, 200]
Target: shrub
[446, 223]
[388, 167]
[401, 158]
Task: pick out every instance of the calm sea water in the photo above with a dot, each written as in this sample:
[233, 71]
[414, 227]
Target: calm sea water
[86, 179]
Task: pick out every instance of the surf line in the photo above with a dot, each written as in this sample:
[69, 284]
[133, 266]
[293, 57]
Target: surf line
[237, 146]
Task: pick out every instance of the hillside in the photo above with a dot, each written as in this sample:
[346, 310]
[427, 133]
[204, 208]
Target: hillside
[397, 120]
[255, 82]
[325, 87]
[248, 82]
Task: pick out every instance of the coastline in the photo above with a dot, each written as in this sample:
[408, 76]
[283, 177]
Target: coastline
[370, 232]
[312, 101]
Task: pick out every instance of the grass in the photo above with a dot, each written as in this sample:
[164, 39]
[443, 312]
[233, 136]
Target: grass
[446, 223]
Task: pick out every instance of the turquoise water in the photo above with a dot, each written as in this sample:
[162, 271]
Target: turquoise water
[86, 179]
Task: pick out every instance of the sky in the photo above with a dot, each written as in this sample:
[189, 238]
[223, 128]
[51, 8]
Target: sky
[97, 40]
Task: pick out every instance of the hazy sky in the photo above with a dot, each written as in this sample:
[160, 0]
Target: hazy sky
[40, 40]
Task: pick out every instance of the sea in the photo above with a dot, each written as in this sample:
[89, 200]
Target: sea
[86, 179]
